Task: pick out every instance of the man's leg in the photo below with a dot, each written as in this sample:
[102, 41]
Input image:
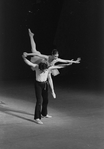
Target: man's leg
[38, 91]
[45, 100]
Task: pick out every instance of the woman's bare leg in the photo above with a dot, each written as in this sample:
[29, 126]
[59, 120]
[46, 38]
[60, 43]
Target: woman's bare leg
[33, 44]
[51, 85]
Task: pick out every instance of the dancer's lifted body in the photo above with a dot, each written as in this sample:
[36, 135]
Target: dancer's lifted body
[52, 60]
[41, 87]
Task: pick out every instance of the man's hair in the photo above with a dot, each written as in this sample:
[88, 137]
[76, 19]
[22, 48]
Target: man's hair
[54, 51]
[43, 66]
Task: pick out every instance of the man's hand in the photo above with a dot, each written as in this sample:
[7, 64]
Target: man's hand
[25, 54]
[70, 63]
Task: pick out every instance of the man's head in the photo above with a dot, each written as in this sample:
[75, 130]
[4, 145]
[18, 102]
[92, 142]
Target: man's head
[43, 65]
[55, 53]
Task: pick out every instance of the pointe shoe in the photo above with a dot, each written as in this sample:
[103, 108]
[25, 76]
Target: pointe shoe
[30, 33]
[54, 95]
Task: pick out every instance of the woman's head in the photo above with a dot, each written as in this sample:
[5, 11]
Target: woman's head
[55, 53]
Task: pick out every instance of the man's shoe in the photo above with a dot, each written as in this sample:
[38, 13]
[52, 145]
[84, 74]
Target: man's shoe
[47, 116]
[38, 121]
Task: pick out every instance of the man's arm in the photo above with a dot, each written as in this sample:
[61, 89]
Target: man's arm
[59, 66]
[28, 62]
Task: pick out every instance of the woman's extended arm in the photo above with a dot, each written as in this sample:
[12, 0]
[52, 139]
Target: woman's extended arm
[68, 61]
[62, 60]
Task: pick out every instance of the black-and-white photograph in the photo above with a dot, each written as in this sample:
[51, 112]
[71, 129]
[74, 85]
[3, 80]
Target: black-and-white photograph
[51, 74]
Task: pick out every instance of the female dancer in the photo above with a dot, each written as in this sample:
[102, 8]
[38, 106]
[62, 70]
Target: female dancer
[37, 57]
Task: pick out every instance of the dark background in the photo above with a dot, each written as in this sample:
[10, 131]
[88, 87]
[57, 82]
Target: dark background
[74, 27]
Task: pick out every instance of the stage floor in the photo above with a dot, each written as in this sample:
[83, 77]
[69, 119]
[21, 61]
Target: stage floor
[77, 119]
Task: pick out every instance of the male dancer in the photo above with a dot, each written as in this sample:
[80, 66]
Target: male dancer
[41, 87]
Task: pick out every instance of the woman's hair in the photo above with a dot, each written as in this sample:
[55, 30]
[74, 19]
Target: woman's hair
[43, 66]
[54, 51]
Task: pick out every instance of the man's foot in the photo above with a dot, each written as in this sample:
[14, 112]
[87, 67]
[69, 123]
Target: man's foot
[38, 121]
[47, 116]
